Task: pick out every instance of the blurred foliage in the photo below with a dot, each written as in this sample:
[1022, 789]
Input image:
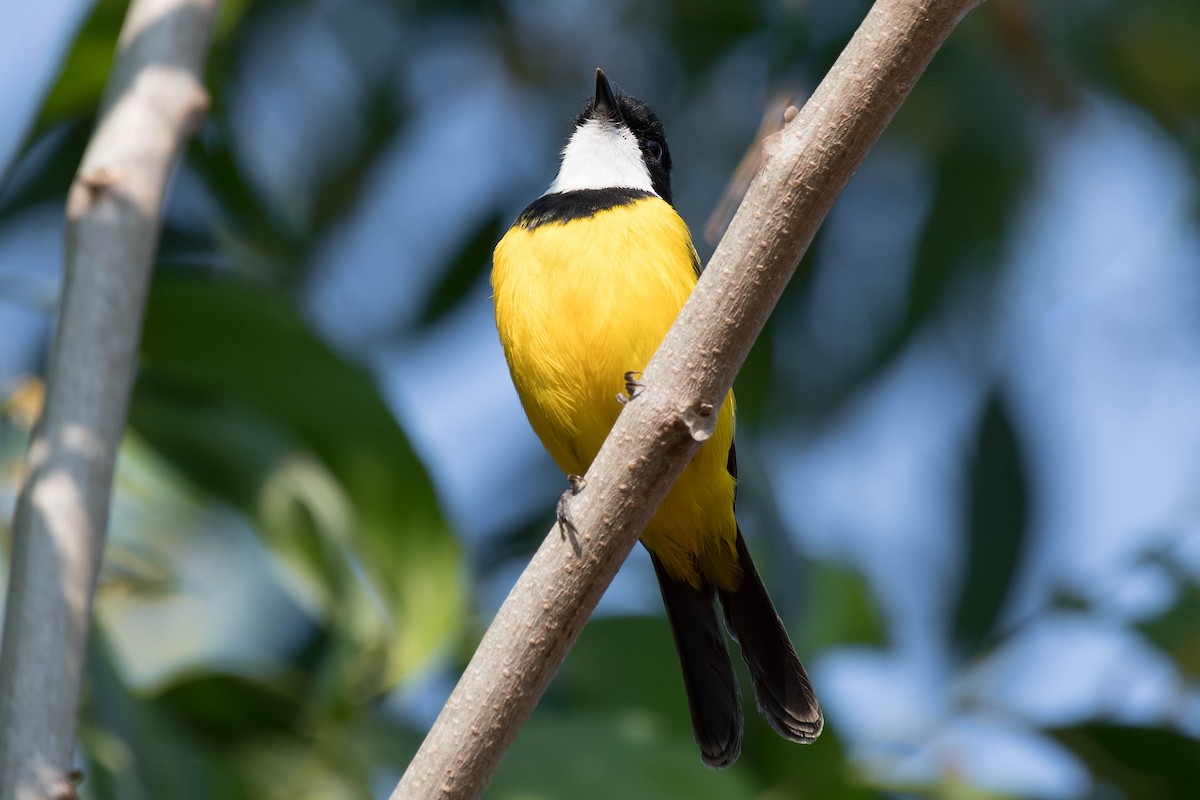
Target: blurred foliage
[1177, 630]
[251, 412]
[1150, 763]
[462, 278]
[236, 390]
[997, 531]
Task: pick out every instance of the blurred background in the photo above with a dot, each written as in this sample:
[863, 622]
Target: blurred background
[969, 438]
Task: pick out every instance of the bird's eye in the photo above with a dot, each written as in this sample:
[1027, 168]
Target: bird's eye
[655, 149]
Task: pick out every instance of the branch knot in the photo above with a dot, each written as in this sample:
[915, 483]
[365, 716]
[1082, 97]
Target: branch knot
[700, 420]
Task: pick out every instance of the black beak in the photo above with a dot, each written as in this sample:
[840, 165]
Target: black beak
[606, 101]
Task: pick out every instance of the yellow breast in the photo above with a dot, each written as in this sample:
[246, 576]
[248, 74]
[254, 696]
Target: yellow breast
[579, 304]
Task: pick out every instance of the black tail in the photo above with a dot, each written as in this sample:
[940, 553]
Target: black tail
[785, 695]
[712, 689]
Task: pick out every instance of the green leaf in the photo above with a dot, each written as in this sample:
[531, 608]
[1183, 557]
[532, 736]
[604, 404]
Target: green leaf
[816, 771]
[1154, 61]
[624, 671]
[133, 752]
[273, 742]
[755, 387]
[84, 75]
[625, 663]
[254, 237]
[48, 178]
[702, 29]
[213, 735]
[979, 159]
[1177, 631]
[287, 769]
[604, 755]
[226, 709]
[1144, 763]
[973, 145]
[342, 190]
[996, 529]
[245, 400]
[82, 79]
[472, 262]
[844, 610]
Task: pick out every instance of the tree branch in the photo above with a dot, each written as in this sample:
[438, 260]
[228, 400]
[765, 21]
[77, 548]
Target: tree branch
[154, 101]
[805, 167]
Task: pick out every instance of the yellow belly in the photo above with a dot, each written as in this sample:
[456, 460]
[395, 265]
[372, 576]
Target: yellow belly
[578, 305]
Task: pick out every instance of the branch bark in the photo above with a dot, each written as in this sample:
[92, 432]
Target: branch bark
[805, 167]
[153, 102]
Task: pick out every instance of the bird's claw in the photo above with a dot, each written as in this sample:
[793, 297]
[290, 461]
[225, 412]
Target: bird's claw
[566, 524]
[632, 387]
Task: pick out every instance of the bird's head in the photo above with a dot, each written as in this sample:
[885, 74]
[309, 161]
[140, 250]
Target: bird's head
[618, 143]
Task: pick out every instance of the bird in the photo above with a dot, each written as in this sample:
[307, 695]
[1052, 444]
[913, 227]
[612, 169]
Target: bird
[586, 283]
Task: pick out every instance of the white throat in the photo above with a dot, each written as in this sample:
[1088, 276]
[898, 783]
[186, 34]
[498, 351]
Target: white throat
[602, 155]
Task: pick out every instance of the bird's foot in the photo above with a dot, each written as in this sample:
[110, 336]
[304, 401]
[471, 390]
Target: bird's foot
[566, 523]
[632, 387]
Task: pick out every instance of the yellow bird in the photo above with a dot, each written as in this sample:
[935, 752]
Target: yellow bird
[586, 282]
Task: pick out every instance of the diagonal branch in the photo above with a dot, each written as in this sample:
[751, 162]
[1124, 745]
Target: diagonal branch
[805, 167]
[154, 101]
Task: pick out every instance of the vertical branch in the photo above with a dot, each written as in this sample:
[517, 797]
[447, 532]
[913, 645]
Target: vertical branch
[805, 167]
[154, 101]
